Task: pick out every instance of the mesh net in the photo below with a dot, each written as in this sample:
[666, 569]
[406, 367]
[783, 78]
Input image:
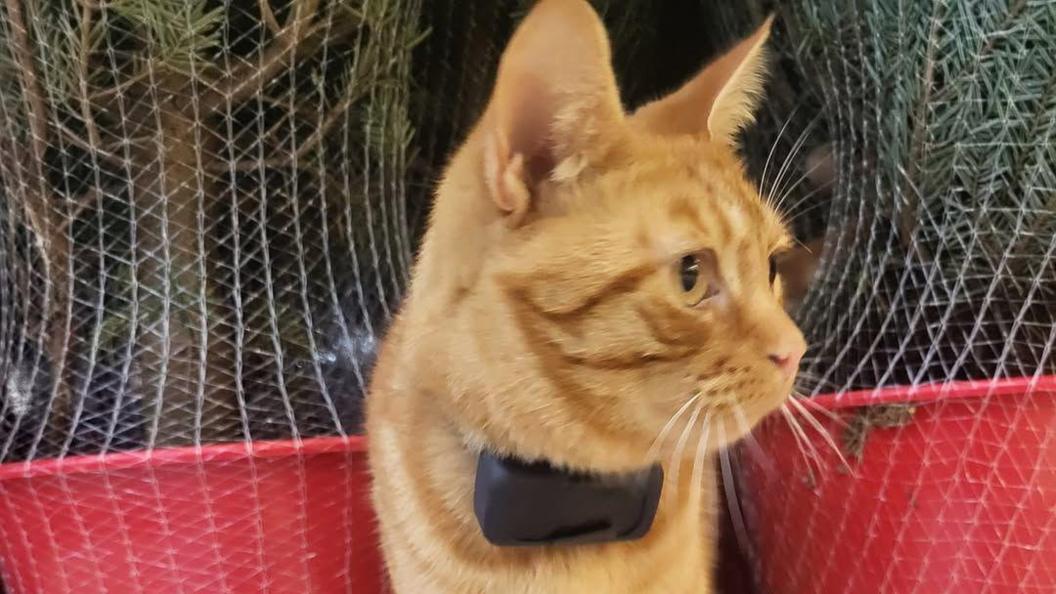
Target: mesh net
[921, 173]
[210, 208]
[939, 241]
[205, 217]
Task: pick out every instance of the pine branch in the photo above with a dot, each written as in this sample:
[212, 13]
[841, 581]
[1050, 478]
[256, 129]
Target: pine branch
[355, 90]
[85, 50]
[93, 147]
[52, 235]
[364, 76]
[268, 16]
[247, 79]
[27, 72]
[107, 101]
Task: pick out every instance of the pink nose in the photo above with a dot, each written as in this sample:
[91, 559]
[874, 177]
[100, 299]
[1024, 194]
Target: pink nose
[787, 358]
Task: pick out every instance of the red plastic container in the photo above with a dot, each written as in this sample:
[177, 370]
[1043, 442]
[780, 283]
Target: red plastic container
[961, 499]
[278, 518]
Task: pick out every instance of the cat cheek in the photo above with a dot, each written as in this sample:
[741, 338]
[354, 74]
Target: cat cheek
[721, 301]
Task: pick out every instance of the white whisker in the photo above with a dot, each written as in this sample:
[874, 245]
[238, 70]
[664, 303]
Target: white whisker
[795, 184]
[790, 216]
[770, 156]
[822, 432]
[802, 442]
[681, 446]
[835, 418]
[732, 503]
[807, 210]
[796, 147]
[753, 444]
[702, 449]
[658, 443]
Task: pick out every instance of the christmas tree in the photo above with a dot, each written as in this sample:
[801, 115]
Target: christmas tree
[211, 207]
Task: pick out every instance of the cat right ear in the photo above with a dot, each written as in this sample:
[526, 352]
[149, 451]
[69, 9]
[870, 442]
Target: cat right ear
[555, 108]
[718, 101]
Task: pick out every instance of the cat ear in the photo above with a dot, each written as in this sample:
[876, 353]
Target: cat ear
[720, 100]
[555, 105]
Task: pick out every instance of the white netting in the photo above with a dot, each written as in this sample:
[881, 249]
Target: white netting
[210, 208]
[923, 169]
[205, 217]
[203, 233]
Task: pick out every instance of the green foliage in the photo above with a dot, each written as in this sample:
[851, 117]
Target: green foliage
[197, 236]
[941, 224]
[64, 45]
[175, 32]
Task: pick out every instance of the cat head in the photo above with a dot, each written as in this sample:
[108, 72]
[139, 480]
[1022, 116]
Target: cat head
[598, 271]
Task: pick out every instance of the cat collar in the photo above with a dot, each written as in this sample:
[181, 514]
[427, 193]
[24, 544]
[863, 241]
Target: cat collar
[520, 503]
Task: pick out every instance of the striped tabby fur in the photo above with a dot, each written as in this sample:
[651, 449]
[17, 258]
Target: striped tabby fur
[587, 277]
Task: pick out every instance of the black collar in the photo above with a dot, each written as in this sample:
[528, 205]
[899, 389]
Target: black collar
[519, 503]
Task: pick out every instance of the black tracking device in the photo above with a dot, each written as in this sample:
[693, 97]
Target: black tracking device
[520, 503]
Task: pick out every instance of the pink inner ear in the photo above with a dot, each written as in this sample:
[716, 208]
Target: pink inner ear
[526, 122]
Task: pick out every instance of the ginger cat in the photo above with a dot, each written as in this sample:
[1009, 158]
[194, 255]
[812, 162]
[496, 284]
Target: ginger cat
[588, 278]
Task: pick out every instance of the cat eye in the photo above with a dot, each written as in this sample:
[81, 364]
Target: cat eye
[697, 279]
[773, 268]
[690, 272]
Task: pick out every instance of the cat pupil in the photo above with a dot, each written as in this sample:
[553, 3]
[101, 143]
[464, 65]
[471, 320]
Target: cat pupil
[690, 272]
[773, 269]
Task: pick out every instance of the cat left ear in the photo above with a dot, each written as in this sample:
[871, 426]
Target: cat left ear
[555, 107]
[720, 100]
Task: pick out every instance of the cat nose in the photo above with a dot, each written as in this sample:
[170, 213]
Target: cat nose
[788, 355]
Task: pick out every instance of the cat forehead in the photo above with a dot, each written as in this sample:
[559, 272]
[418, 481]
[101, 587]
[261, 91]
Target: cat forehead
[695, 197]
[726, 222]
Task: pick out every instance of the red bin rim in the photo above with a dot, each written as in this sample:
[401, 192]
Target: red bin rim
[175, 456]
[939, 391]
[356, 444]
